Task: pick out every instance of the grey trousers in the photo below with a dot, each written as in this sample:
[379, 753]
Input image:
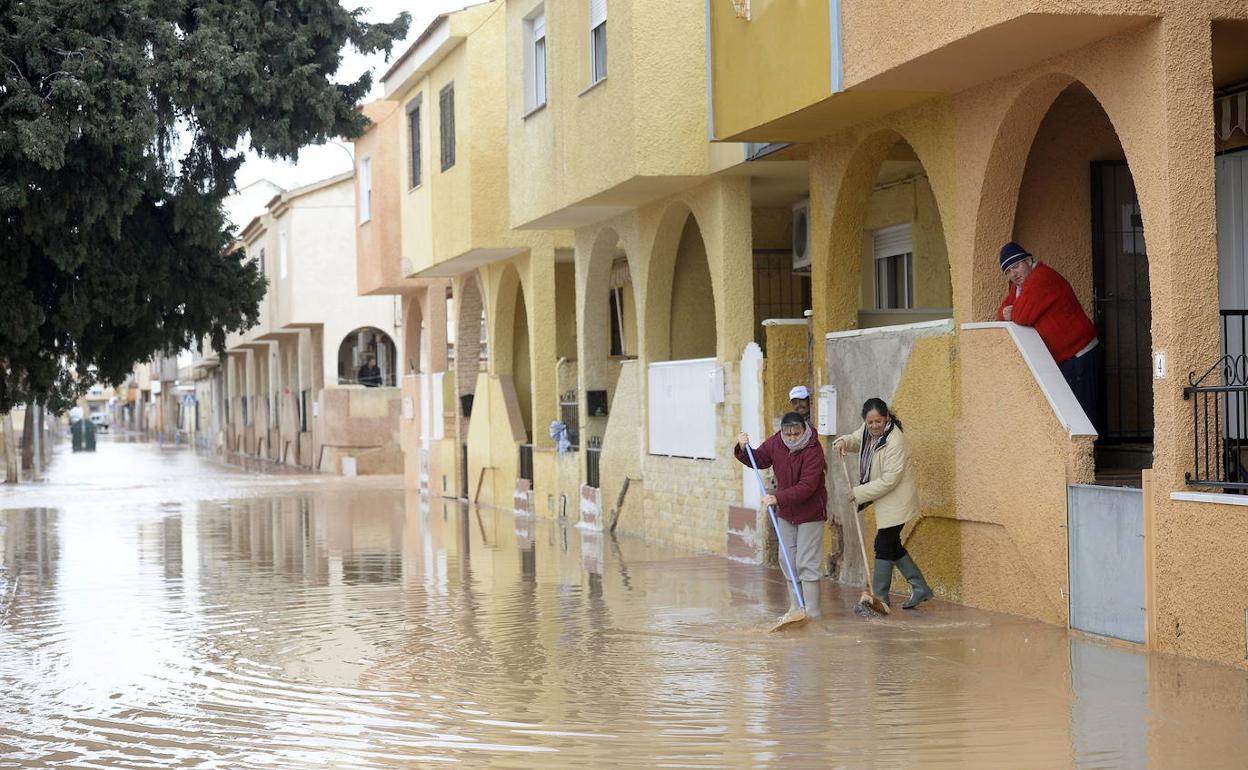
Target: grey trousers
[804, 543]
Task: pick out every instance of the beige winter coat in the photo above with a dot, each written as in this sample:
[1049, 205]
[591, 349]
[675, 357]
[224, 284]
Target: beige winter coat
[891, 485]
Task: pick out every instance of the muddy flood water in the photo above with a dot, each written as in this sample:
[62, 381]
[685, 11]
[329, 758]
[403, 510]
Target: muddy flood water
[161, 610]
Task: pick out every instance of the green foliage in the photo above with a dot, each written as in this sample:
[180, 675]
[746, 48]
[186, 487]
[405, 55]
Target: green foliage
[120, 128]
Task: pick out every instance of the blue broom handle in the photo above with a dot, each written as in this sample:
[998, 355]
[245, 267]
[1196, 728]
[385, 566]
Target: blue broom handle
[771, 511]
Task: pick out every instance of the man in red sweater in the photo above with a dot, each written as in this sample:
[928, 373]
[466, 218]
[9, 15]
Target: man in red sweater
[1041, 298]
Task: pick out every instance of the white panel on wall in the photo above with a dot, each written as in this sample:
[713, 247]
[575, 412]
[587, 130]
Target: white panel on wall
[439, 407]
[681, 414]
[752, 416]
[426, 416]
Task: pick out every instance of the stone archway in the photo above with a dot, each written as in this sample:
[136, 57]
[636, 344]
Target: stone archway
[413, 336]
[680, 310]
[888, 250]
[355, 350]
[1057, 146]
[512, 350]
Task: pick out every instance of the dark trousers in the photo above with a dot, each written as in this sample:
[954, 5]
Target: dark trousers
[888, 543]
[1083, 375]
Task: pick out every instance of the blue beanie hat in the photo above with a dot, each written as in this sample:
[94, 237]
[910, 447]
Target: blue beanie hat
[1011, 253]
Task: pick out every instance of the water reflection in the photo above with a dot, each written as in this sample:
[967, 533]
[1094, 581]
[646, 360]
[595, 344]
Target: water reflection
[334, 625]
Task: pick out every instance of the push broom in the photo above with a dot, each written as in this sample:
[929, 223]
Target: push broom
[798, 616]
[868, 599]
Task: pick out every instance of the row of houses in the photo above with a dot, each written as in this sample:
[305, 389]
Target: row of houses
[610, 236]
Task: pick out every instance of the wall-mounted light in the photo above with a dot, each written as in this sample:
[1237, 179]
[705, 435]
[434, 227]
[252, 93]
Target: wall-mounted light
[742, 7]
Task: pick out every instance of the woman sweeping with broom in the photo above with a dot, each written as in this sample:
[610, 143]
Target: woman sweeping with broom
[886, 478]
[796, 458]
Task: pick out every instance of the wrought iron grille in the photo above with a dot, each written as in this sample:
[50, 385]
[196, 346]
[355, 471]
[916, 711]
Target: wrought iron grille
[526, 462]
[593, 474]
[1219, 399]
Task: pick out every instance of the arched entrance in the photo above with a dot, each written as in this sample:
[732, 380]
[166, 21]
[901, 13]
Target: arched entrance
[413, 337]
[1077, 211]
[887, 231]
[469, 351]
[357, 349]
[681, 341]
[607, 343]
[680, 316]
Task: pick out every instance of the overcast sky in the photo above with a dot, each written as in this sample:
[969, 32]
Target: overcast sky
[326, 160]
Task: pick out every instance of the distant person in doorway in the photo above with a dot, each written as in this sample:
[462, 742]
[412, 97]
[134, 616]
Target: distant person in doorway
[1038, 296]
[886, 479]
[801, 498]
[799, 400]
[369, 374]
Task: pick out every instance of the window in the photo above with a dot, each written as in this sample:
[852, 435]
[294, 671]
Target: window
[446, 109]
[617, 324]
[413, 141]
[894, 274]
[282, 253]
[597, 40]
[262, 271]
[366, 191]
[535, 60]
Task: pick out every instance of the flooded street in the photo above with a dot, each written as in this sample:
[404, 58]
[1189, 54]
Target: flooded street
[162, 610]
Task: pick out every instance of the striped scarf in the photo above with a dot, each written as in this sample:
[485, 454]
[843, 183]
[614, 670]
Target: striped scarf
[869, 445]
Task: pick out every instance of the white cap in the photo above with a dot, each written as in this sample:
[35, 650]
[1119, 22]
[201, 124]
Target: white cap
[799, 392]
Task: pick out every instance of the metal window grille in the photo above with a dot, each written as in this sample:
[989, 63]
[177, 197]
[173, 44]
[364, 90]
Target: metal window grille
[593, 474]
[778, 291]
[569, 415]
[1219, 425]
[1123, 306]
[446, 106]
[526, 462]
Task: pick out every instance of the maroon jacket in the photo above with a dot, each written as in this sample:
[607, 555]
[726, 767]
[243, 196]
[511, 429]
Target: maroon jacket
[801, 494]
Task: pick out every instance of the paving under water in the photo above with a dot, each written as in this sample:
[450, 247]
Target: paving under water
[158, 609]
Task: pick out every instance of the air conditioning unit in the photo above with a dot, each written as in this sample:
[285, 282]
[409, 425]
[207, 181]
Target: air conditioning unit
[801, 236]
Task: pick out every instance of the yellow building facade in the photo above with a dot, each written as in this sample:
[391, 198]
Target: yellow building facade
[660, 217]
[1086, 132]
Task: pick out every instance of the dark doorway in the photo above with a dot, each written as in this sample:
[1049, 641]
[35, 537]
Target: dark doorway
[1123, 316]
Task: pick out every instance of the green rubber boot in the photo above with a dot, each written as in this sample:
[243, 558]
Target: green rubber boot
[920, 591]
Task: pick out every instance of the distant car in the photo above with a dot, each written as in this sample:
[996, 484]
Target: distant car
[102, 420]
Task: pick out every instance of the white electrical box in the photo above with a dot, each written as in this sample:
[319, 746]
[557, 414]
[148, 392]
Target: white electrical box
[825, 415]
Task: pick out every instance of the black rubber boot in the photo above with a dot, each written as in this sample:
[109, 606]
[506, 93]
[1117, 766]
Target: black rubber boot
[920, 591]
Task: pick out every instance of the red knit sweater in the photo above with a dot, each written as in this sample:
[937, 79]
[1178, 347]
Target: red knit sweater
[1049, 304]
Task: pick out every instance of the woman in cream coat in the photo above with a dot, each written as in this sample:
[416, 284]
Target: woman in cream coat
[886, 479]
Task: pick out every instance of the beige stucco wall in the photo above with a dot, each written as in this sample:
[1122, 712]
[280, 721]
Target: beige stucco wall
[1152, 81]
[378, 242]
[788, 353]
[601, 141]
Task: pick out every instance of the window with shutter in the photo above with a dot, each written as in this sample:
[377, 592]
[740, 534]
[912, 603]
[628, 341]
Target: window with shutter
[894, 273]
[413, 134]
[446, 105]
[535, 60]
[597, 40]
